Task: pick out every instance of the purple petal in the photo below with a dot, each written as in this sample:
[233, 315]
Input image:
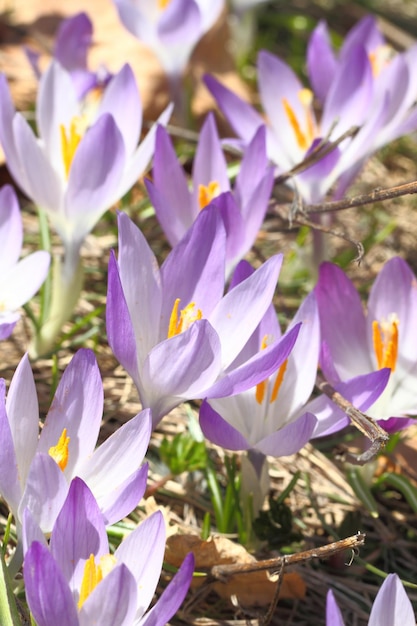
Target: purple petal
[321, 61]
[364, 33]
[9, 479]
[290, 439]
[234, 227]
[41, 180]
[121, 99]
[239, 312]
[148, 541]
[45, 491]
[95, 174]
[209, 162]
[73, 39]
[78, 532]
[396, 424]
[138, 270]
[23, 280]
[78, 407]
[173, 596]
[11, 229]
[344, 334]
[361, 391]
[253, 171]
[392, 606]
[47, 592]
[333, 614]
[23, 412]
[31, 531]
[350, 94]
[120, 333]
[257, 369]
[180, 23]
[181, 368]
[243, 118]
[169, 193]
[196, 262]
[7, 324]
[121, 501]
[113, 601]
[7, 140]
[220, 432]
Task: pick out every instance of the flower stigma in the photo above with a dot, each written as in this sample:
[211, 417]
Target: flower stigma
[385, 340]
[206, 193]
[60, 453]
[180, 322]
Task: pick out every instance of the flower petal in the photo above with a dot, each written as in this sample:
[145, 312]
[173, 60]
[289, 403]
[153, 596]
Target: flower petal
[333, 614]
[290, 439]
[219, 431]
[209, 162]
[173, 596]
[11, 229]
[113, 601]
[321, 61]
[392, 606]
[9, 478]
[78, 407]
[24, 279]
[47, 592]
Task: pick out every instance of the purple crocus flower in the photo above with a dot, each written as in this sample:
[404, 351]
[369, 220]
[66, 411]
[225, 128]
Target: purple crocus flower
[394, 78]
[356, 344]
[391, 606]
[35, 471]
[72, 43]
[20, 280]
[361, 87]
[177, 206]
[76, 582]
[84, 159]
[275, 417]
[173, 330]
[171, 28]
[269, 417]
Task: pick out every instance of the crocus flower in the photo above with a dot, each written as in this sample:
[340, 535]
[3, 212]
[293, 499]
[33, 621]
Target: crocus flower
[83, 160]
[35, 471]
[20, 280]
[72, 42]
[171, 28]
[391, 606]
[394, 77]
[357, 89]
[275, 417]
[269, 417]
[173, 330]
[76, 582]
[177, 206]
[355, 343]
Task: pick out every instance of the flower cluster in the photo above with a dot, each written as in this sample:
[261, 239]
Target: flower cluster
[202, 326]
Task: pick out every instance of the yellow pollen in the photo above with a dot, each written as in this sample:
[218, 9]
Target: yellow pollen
[70, 141]
[278, 381]
[60, 453]
[186, 317]
[385, 339]
[162, 4]
[206, 193]
[262, 386]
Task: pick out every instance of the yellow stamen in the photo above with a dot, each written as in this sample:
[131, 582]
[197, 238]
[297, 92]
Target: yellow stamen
[206, 193]
[93, 574]
[187, 316]
[380, 58]
[262, 386]
[278, 381]
[299, 135]
[162, 4]
[70, 142]
[60, 453]
[385, 340]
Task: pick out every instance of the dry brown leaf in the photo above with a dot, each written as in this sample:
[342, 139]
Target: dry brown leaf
[251, 589]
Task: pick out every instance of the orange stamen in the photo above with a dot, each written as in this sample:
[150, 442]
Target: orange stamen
[262, 386]
[385, 340]
[299, 135]
[186, 317]
[278, 381]
[206, 193]
[60, 452]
